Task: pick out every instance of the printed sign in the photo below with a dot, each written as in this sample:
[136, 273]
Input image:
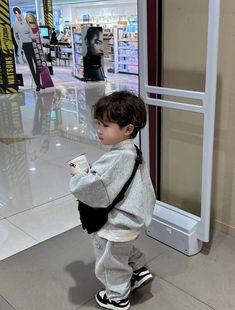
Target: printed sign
[8, 79]
[93, 62]
[26, 33]
[38, 50]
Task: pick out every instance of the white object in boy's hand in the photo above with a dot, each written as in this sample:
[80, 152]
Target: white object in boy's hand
[79, 164]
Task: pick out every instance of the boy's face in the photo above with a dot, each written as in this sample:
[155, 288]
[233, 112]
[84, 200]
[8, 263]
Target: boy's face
[110, 133]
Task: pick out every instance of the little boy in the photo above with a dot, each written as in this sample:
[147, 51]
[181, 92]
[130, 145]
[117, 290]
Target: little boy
[119, 264]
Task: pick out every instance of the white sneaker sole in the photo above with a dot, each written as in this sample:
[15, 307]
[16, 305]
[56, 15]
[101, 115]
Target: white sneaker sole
[110, 306]
[142, 282]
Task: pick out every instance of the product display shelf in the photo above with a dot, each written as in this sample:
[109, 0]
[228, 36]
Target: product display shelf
[128, 56]
[65, 54]
[77, 54]
[107, 38]
[113, 52]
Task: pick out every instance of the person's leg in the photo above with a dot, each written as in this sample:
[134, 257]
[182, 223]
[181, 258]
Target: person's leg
[136, 259]
[112, 266]
[16, 50]
[31, 58]
[37, 71]
[141, 275]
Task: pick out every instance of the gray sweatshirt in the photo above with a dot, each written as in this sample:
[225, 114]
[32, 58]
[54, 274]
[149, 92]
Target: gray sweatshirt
[99, 187]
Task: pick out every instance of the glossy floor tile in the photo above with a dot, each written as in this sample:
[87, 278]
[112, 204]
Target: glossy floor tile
[4, 305]
[48, 220]
[209, 275]
[13, 239]
[39, 133]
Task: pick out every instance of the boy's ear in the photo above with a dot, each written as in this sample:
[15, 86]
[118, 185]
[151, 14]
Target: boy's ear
[129, 129]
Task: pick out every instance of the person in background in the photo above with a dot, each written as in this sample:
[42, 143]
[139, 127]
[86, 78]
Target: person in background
[53, 39]
[120, 266]
[60, 36]
[24, 35]
[65, 37]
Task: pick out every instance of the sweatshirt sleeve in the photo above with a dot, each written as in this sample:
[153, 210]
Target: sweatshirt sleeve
[90, 189]
[108, 174]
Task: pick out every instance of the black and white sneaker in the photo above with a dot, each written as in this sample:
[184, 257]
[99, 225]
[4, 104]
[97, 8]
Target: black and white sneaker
[140, 277]
[103, 301]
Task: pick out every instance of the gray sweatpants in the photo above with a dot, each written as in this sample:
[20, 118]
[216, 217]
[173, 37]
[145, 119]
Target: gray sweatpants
[115, 262]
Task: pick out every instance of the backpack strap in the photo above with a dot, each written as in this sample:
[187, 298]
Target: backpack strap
[121, 194]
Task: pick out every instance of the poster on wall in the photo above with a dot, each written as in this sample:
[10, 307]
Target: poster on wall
[93, 62]
[8, 79]
[26, 33]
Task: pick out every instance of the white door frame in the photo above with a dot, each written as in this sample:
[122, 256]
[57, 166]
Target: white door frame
[208, 97]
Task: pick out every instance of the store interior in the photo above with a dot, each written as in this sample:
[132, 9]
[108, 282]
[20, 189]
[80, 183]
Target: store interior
[119, 24]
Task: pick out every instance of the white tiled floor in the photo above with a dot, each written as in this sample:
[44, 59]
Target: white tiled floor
[13, 239]
[39, 132]
[49, 219]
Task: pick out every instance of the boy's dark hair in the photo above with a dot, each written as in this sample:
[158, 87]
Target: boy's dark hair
[16, 9]
[122, 108]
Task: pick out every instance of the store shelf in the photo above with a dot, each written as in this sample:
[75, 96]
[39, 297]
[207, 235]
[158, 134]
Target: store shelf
[127, 40]
[77, 54]
[112, 52]
[127, 63]
[128, 49]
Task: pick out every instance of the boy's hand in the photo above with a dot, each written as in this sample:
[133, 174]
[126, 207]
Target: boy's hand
[86, 170]
[73, 171]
